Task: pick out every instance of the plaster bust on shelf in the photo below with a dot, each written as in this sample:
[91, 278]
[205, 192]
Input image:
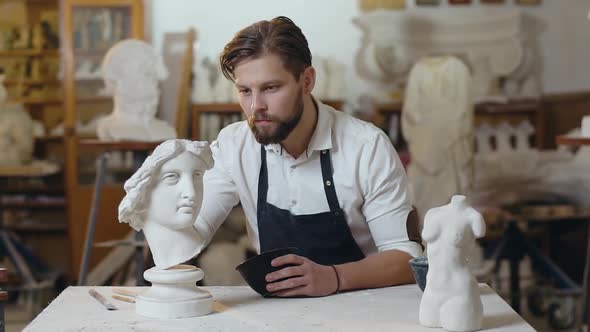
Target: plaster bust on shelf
[164, 197]
[131, 71]
[16, 132]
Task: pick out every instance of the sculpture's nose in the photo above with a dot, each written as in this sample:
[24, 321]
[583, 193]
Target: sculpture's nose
[188, 190]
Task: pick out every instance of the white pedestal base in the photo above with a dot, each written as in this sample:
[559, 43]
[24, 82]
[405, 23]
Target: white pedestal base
[174, 294]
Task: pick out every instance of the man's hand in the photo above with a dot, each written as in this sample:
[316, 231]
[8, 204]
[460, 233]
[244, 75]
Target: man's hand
[306, 278]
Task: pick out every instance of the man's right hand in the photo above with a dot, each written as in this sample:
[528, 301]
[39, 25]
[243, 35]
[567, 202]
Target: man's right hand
[305, 278]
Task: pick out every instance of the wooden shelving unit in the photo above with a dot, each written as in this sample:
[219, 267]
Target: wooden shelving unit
[78, 45]
[517, 110]
[224, 109]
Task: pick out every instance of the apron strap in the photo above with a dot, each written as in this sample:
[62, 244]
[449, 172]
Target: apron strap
[262, 179]
[326, 162]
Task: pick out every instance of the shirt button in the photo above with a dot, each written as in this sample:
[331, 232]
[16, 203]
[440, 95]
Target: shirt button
[293, 202]
[294, 167]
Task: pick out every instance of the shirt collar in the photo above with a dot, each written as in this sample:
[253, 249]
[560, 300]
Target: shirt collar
[322, 135]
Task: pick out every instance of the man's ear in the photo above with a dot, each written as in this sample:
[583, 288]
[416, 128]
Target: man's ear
[308, 79]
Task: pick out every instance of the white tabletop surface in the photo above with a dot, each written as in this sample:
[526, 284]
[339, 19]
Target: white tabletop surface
[241, 309]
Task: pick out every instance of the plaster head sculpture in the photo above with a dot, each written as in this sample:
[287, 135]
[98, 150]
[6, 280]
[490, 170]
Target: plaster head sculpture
[132, 71]
[451, 298]
[16, 132]
[164, 198]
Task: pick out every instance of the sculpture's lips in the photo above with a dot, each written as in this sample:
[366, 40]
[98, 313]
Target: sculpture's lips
[186, 206]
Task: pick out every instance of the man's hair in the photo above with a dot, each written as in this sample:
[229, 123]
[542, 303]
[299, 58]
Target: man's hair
[278, 36]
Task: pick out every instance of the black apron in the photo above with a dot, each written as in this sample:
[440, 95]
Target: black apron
[325, 238]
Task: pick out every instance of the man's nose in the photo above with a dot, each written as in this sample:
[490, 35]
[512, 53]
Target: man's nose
[258, 103]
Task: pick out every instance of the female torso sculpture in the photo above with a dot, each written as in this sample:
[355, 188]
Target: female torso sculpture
[451, 298]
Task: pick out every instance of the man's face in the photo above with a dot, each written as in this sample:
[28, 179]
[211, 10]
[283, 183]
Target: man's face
[176, 198]
[270, 96]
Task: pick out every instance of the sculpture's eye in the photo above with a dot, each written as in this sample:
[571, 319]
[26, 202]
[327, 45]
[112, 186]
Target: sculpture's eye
[170, 178]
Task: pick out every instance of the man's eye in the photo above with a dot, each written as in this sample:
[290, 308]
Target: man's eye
[198, 174]
[272, 88]
[244, 91]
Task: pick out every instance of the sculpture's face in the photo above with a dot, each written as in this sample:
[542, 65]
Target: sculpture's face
[176, 198]
[270, 96]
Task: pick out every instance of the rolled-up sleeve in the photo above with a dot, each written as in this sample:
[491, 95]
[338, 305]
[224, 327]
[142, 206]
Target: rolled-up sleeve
[387, 204]
[219, 191]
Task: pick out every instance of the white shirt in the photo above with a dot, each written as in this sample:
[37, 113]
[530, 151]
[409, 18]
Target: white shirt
[369, 179]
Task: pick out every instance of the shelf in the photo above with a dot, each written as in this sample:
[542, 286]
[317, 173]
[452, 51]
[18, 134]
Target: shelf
[90, 53]
[28, 52]
[27, 189]
[33, 205]
[573, 140]
[35, 227]
[36, 101]
[119, 145]
[32, 82]
[236, 108]
[217, 108]
[57, 101]
[94, 99]
[47, 139]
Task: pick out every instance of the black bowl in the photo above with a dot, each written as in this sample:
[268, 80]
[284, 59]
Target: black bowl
[419, 267]
[255, 269]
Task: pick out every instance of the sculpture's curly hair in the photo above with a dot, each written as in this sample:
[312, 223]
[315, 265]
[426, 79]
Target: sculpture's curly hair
[139, 185]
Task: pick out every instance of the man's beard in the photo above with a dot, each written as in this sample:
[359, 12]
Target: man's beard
[283, 128]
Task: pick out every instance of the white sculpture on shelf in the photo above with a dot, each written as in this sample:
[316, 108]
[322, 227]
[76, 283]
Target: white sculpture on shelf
[503, 137]
[320, 88]
[163, 199]
[585, 129]
[523, 133]
[336, 80]
[526, 80]
[451, 298]
[202, 83]
[330, 80]
[132, 70]
[488, 40]
[437, 123]
[483, 134]
[16, 132]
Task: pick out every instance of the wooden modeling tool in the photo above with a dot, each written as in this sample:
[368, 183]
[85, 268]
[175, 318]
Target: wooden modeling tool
[101, 299]
[123, 298]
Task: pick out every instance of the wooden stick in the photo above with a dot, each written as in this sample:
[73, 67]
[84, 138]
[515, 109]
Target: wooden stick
[126, 292]
[123, 298]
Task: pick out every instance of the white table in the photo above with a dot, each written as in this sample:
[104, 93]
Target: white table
[241, 309]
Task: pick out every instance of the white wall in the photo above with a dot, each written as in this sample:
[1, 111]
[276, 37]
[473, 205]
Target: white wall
[327, 24]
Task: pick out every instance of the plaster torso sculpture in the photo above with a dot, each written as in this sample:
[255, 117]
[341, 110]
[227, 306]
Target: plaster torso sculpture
[437, 124]
[16, 132]
[451, 298]
[131, 71]
[163, 199]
